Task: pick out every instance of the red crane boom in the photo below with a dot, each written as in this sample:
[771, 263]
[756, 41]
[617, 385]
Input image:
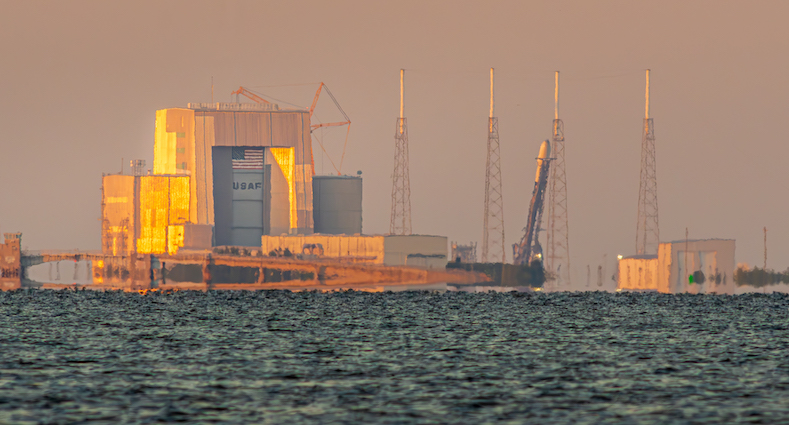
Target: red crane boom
[248, 94]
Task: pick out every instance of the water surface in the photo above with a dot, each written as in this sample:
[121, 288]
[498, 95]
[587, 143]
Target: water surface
[409, 357]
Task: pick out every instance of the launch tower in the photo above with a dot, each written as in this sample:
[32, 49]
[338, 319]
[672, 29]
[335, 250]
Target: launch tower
[400, 223]
[493, 227]
[647, 233]
[558, 255]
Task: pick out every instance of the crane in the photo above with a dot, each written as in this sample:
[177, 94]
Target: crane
[258, 99]
[529, 246]
[314, 127]
[248, 94]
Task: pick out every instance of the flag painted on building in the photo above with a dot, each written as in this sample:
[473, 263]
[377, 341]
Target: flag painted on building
[247, 159]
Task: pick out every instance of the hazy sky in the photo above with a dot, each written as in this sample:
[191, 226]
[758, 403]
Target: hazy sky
[80, 83]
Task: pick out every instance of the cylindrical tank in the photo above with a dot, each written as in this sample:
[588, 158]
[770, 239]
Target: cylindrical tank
[337, 204]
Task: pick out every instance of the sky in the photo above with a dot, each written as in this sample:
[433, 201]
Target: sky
[80, 82]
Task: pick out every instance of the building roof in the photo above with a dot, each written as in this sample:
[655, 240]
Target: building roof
[699, 240]
[241, 107]
[640, 257]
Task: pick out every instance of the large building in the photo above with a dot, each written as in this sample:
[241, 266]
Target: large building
[240, 174]
[250, 167]
[692, 266]
[242, 170]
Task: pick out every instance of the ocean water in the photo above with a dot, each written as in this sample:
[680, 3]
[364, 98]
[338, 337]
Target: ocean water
[409, 357]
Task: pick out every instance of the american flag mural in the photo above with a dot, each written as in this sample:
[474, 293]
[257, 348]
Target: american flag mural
[247, 159]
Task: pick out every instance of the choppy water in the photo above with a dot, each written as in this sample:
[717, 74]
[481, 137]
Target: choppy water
[413, 357]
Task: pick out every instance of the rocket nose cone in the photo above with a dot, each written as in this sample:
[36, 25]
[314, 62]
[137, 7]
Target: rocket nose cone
[545, 150]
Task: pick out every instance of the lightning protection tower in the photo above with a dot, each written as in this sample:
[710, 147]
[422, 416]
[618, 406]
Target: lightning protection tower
[493, 227]
[647, 230]
[558, 259]
[400, 223]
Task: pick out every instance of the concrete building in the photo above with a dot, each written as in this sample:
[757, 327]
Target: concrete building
[422, 251]
[250, 167]
[238, 174]
[692, 266]
[638, 273]
[11, 272]
[143, 214]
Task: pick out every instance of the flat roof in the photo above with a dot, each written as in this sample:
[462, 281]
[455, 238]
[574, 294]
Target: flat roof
[240, 107]
[698, 240]
[640, 257]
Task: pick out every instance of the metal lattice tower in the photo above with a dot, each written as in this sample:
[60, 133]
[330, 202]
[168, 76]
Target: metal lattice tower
[400, 223]
[647, 232]
[558, 258]
[493, 227]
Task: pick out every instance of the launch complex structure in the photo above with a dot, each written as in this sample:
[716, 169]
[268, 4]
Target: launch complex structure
[553, 187]
[647, 229]
[233, 202]
[238, 179]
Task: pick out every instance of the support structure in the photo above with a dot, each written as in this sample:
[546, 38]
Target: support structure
[400, 223]
[493, 226]
[558, 258]
[765, 248]
[647, 230]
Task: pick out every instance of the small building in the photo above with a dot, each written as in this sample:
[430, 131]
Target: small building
[11, 272]
[143, 214]
[638, 273]
[698, 266]
[423, 251]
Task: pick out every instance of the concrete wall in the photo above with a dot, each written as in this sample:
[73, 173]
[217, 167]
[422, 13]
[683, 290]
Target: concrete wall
[198, 236]
[422, 251]
[368, 249]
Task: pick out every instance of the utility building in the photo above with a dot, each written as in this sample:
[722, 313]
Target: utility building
[692, 266]
[143, 214]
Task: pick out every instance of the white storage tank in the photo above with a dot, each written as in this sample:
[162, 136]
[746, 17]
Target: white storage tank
[337, 204]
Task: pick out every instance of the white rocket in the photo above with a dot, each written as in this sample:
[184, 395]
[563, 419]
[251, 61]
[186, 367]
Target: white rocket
[529, 246]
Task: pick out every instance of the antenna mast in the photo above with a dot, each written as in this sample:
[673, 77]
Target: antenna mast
[400, 223]
[647, 230]
[765, 248]
[493, 227]
[558, 258]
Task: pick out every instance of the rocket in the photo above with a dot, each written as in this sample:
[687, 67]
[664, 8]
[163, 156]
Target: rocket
[545, 154]
[529, 245]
